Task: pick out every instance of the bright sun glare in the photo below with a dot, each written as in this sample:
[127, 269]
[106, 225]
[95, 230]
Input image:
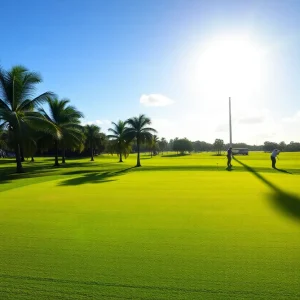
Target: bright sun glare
[229, 66]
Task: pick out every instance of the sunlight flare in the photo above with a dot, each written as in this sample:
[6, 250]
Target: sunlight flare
[229, 66]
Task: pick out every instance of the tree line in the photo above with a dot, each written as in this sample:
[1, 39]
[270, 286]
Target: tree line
[31, 124]
[46, 125]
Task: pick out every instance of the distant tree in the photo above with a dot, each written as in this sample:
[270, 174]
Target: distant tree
[282, 146]
[270, 146]
[163, 144]
[154, 145]
[293, 147]
[206, 146]
[119, 139]
[197, 146]
[202, 146]
[93, 138]
[170, 145]
[218, 146]
[139, 130]
[182, 145]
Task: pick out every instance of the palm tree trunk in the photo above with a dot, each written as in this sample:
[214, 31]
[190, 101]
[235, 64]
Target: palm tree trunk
[21, 154]
[18, 159]
[56, 164]
[92, 154]
[32, 159]
[138, 162]
[120, 157]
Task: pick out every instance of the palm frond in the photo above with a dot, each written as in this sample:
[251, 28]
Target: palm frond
[5, 87]
[148, 129]
[3, 105]
[30, 104]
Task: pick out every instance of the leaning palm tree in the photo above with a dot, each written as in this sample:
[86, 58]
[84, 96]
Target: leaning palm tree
[93, 138]
[66, 119]
[17, 106]
[120, 142]
[138, 130]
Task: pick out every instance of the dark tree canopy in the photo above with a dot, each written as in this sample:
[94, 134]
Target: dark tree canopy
[182, 145]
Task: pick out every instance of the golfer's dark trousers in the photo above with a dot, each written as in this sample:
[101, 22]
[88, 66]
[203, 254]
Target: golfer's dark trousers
[273, 162]
[228, 161]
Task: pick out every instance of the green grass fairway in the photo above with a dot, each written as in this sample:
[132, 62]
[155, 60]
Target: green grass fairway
[177, 228]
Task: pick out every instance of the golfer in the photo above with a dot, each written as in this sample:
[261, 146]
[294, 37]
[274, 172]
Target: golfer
[274, 154]
[229, 157]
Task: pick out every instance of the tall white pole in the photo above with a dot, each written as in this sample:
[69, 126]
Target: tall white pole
[230, 126]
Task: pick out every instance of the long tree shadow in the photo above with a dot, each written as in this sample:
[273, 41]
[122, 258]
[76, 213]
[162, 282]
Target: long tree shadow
[40, 169]
[175, 155]
[287, 203]
[93, 177]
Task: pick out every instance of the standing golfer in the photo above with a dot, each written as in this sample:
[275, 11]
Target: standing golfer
[229, 157]
[274, 154]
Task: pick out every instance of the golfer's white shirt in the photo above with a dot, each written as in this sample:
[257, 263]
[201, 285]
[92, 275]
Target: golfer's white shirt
[275, 153]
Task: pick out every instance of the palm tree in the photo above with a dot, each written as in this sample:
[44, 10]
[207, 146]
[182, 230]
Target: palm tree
[66, 119]
[93, 138]
[17, 107]
[120, 139]
[162, 145]
[137, 130]
[154, 145]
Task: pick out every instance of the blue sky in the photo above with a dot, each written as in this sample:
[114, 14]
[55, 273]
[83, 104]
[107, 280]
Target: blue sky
[108, 56]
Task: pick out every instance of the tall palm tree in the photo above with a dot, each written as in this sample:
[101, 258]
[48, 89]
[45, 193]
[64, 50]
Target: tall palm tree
[138, 130]
[17, 106]
[120, 139]
[66, 119]
[93, 138]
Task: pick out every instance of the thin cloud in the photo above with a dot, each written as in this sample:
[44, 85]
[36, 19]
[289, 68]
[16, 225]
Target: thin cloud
[252, 117]
[223, 127]
[294, 119]
[95, 122]
[252, 120]
[155, 100]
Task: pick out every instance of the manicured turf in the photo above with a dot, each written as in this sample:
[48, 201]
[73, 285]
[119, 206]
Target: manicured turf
[177, 228]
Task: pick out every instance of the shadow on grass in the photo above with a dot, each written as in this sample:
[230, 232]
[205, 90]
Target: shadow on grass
[40, 169]
[92, 177]
[176, 155]
[287, 203]
[4, 161]
[283, 171]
